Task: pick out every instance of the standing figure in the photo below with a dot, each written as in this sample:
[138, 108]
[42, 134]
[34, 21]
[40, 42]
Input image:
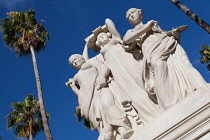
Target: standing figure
[168, 74]
[97, 103]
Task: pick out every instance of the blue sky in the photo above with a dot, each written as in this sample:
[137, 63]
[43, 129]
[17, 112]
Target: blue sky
[69, 22]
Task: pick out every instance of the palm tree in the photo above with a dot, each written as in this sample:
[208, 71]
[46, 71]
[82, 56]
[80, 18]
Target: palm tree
[25, 35]
[193, 16]
[206, 55]
[86, 123]
[25, 118]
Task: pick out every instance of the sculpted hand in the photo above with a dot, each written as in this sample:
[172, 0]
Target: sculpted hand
[101, 82]
[151, 23]
[70, 83]
[176, 32]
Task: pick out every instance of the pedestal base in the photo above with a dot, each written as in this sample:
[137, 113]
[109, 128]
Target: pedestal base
[187, 120]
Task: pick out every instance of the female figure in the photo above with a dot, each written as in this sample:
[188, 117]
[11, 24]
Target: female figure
[167, 71]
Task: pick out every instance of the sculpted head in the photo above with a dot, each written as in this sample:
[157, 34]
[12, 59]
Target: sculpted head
[76, 61]
[134, 16]
[102, 39]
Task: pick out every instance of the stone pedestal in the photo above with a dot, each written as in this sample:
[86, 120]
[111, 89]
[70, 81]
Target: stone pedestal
[187, 120]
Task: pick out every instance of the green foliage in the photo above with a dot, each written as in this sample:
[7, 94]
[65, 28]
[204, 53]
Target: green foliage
[25, 118]
[77, 114]
[86, 123]
[205, 52]
[21, 30]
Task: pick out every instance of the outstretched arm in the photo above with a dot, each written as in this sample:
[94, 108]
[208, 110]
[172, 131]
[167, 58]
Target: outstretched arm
[72, 84]
[112, 29]
[132, 35]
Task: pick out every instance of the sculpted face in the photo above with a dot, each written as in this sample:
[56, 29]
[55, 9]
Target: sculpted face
[103, 38]
[134, 16]
[76, 61]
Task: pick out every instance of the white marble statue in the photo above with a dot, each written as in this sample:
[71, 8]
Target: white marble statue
[127, 83]
[97, 103]
[133, 80]
[167, 71]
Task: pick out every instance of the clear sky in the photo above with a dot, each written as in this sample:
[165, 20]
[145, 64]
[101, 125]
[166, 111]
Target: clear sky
[69, 22]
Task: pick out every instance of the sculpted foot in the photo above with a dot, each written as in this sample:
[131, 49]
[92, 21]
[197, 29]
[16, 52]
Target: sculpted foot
[128, 134]
[125, 133]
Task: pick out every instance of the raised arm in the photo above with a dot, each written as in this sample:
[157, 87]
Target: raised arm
[112, 29]
[85, 52]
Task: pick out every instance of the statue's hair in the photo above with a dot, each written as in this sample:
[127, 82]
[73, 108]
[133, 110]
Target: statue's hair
[98, 43]
[138, 10]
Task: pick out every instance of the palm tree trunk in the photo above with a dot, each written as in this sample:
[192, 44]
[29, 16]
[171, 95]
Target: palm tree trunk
[30, 129]
[193, 16]
[41, 101]
[30, 137]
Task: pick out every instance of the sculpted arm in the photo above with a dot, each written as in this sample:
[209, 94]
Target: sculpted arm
[103, 72]
[112, 29]
[102, 78]
[85, 52]
[102, 68]
[132, 35]
[72, 84]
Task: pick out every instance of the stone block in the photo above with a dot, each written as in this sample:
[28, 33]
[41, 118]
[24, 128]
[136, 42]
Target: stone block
[187, 120]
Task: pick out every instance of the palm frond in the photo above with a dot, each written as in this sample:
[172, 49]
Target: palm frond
[86, 123]
[21, 30]
[77, 114]
[24, 115]
[205, 52]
